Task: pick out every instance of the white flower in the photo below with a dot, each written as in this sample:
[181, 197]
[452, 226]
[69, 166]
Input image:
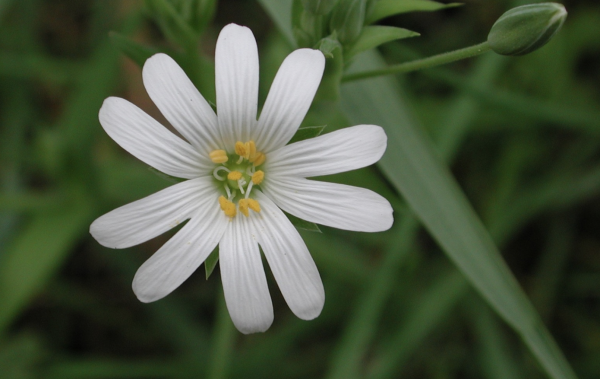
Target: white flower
[240, 174]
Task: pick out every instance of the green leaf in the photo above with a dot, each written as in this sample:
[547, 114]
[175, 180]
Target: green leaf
[280, 11]
[211, 262]
[347, 20]
[430, 190]
[37, 252]
[172, 24]
[387, 8]
[373, 36]
[306, 132]
[135, 51]
[303, 224]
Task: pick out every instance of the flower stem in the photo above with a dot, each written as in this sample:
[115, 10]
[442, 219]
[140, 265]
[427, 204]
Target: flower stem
[223, 340]
[419, 64]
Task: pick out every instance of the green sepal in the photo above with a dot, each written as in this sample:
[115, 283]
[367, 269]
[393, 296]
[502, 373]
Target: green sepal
[386, 8]
[319, 7]
[133, 50]
[211, 262]
[168, 178]
[171, 23]
[373, 36]
[303, 224]
[347, 20]
[306, 132]
[307, 27]
[329, 89]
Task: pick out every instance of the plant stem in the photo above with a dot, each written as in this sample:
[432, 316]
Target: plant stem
[419, 64]
[223, 340]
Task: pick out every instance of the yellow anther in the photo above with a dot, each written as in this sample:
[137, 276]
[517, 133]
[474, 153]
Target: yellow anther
[253, 204]
[258, 159]
[250, 149]
[234, 175]
[240, 149]
[218, 156]
[244, 206]
[227, 206]
[258, 177]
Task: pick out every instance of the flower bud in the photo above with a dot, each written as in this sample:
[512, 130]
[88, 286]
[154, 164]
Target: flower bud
[525, 29]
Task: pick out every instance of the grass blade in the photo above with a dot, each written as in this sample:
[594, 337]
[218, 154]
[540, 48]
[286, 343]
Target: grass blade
[413, 168]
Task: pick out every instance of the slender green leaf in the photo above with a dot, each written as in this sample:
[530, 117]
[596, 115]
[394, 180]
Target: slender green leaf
[387, 8]
[431, 309]
[373, 36]
[280, 12]
[172, 23]
[414, 169]
[303, 224]
[36, 254]
[306, 132]
[135, 51]
[211, 262]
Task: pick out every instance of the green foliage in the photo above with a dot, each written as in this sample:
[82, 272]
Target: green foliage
[386, 8]
[373, 36]
[135, 51]
[347, 20]
[517, 138]
[211, 262]
[306, 132]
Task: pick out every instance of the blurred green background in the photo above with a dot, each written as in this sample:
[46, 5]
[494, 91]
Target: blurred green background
[522, 135]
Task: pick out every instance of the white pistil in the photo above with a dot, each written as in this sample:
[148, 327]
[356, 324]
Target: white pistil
[217, 169]
[228, 191]
[241, 183]
[240, 160]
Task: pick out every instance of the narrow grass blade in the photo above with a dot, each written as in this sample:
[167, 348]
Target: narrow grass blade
[36, 253]
[413, 168]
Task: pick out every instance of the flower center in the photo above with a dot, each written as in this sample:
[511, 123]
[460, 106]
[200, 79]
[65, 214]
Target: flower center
[236, 174]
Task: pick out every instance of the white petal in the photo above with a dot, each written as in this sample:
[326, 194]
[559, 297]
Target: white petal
[289, 259]
[244, 282]
[336, 205]
[177, 259]
[289, 98]
[149, 141]
[181, 103]
[151, 216]
[236, 81]
[343, 150]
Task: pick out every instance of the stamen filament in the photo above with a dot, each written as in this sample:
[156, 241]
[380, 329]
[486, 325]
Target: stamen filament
[249, 189]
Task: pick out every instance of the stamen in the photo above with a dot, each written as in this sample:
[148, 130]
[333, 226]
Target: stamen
[227, 206]
[249, 189]
[254, 205]
[259, 159]
[234, 175]
[250, 150]
[217, 169]
[240, 149]
[218, 156]
[243, 205]
[258, 177]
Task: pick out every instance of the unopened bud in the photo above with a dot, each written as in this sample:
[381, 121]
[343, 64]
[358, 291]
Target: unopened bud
[525, 29]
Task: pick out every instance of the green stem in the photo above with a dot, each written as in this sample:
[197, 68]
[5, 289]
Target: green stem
[420, 64]
[223, 340]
